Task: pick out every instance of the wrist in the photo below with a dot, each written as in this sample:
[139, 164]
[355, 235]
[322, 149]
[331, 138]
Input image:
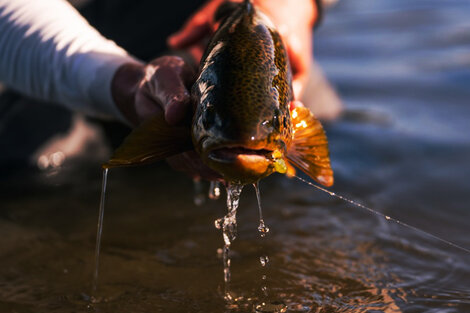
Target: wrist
[124, 86]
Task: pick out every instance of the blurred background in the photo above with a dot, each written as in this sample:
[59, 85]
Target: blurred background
[401, 145]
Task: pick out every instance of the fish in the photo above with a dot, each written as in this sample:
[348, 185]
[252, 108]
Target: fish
[245, 126]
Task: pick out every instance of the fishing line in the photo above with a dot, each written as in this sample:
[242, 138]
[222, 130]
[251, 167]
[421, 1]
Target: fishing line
[387, 217]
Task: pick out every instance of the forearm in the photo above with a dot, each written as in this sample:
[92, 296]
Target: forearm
[48, 51]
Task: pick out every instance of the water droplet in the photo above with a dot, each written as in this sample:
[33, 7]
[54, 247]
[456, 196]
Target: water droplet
[263, 277]
[218, 223]
[228, 297]
[228, 239]
[219, 252]
[227, 275]
[263, 229]
[214, 190]
[228, 224]
[264, 260]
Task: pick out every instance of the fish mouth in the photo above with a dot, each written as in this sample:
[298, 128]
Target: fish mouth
[241, 164]
[231, 154]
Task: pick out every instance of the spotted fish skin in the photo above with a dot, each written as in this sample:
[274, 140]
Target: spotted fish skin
[244, 88]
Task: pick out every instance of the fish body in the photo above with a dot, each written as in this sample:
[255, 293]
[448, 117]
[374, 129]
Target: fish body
[243, 125]
[243, 94]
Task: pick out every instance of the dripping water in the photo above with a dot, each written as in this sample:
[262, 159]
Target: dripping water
[228, 224]
[262, 228]
[265, 305]
[264, 260]
[99, 230]
[214, 190]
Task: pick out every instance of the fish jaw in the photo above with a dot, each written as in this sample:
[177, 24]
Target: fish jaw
[243, 164]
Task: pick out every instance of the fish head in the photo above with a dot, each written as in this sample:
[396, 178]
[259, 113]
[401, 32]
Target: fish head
[244, 146]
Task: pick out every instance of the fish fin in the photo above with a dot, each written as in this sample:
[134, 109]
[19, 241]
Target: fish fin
[309, 149]
[152, 141]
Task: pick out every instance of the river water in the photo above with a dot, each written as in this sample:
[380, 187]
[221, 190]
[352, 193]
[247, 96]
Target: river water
[402, 147]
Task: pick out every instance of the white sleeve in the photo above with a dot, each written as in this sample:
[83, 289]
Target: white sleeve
[49, 51]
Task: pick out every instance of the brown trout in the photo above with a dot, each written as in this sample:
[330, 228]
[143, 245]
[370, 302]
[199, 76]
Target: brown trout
[243, 126]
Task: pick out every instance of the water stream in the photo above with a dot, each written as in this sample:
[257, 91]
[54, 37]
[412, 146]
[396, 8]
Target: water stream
[99, 230]
[265, 304]
[228, 224]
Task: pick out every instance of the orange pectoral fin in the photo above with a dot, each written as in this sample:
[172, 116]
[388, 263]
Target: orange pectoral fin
[152, 141]
[309, 150]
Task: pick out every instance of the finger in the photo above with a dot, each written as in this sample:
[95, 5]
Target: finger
[193, 31]
[167, 88]
[178, 109]
[145, 106]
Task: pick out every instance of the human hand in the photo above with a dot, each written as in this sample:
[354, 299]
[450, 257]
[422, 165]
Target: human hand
[160, 87]
[293, 18]
[141, 91]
